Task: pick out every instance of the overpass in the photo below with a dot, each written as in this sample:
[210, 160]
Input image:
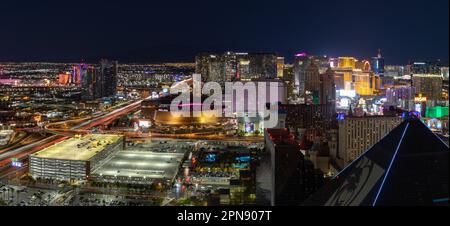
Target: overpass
[23, 151]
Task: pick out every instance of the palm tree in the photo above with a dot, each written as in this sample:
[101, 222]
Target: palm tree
[3, 202]
[11, 190]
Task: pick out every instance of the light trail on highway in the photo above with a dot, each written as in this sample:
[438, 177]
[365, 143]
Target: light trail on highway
[24, 151]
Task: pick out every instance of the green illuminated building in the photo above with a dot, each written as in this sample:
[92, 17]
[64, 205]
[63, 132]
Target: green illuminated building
[436, 112]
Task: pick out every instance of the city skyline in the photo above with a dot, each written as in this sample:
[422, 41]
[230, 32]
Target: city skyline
[214, 103]
[176, 32]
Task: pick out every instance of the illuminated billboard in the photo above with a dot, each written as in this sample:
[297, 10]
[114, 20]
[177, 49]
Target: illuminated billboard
[344, 103]
[346, 93]
[418, 108]
[144, 123]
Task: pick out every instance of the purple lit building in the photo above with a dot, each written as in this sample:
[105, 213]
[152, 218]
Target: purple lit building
[402, 97]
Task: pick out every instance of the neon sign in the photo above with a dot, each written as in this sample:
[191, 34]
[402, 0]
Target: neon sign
[420, 99]
[16, 163]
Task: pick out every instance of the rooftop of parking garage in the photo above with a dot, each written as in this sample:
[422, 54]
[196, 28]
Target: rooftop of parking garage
[141, 164]
[81, 149]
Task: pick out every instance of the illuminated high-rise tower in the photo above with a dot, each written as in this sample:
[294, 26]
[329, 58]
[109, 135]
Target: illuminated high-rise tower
[90, 83]
[79, 71]
[108, 70]
[1, 73]
[211, 66]
[236, 66]
[301, 61]
[347, 63]
[306, 77]
[230, 66]
[280, 67]
[98, 82]
[312, 78]
[327, 88]
[378, 64]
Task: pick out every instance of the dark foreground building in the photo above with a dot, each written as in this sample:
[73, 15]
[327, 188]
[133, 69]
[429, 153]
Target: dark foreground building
[293, 178]
[408, 167]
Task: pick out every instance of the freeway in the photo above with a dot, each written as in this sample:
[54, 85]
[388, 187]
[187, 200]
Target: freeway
[23, 151]
[11, 172]
[27, 139]
[108, 117]
[16, 138]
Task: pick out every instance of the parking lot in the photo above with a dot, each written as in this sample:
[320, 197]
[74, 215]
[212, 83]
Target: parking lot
[23, 196]
[90, 199]
[155, 161]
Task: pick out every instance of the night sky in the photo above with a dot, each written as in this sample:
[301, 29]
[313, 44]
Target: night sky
[151, 31]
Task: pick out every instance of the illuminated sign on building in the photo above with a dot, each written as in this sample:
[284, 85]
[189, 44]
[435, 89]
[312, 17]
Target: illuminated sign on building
[210, 158]
[144, 123]
[344, 103]
[418, 107]
[434, 124]
[249, 127]
[341, 116]
[347, 93]
[301, 55]
[16, 163]
[420, 99]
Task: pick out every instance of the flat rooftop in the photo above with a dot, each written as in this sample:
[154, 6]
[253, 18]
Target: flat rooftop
[81, 149]
[143, 164]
